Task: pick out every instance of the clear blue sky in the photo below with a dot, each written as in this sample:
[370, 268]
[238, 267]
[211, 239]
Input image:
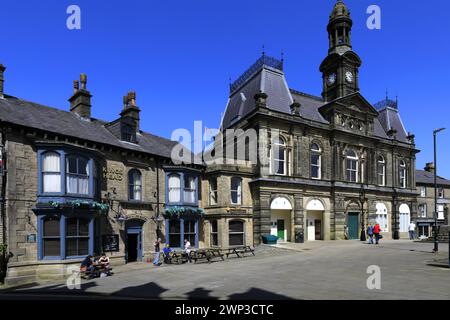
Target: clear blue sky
[179, 54]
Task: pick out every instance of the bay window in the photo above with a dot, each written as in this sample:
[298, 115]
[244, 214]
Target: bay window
[51, 239]
[236, 190]
[51, 172]
[174, 188]
[236, 233]
[189, 189]
[77, 237]
[213, 191]
[175, 233]
[77, 175]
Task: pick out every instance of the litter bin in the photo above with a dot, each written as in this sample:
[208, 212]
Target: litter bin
[299, 237]
[269, 239]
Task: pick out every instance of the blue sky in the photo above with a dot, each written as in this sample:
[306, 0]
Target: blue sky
[179, 54]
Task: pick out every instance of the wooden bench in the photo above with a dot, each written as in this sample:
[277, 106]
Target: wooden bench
[207, 254]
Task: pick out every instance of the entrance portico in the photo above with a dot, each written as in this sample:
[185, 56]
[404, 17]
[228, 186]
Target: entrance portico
[281, 218]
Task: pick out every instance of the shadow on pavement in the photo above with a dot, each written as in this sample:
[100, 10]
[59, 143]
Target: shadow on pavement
[258, 294]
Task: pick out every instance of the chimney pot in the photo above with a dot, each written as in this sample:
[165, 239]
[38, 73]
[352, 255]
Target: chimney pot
[83, 80]
[430, 167]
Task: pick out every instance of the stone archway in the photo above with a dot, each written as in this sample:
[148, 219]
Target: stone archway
[353, 220]
[315, 220]
[281, 218]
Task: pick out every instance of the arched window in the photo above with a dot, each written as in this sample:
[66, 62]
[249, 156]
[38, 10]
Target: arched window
[381, 171]
[51, 237]
[214, 233]
[316, 161]
[236, 190]
[135, 185]
[189, 189]
[174, 188]
[352, 166]
[402, 174]
[51, 172]
[77, 237]
[236, 233]
[77, 175]
[279, 156]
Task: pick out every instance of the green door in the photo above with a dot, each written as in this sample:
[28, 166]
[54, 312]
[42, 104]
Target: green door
[280, 229]
[352, 225]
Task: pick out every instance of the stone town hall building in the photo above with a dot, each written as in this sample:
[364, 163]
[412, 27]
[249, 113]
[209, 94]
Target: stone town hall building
[74, 185]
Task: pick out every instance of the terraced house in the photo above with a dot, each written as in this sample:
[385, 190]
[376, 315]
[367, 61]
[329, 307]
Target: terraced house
[73, 185]
[334, 163]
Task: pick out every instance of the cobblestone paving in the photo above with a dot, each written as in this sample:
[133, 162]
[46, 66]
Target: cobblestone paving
[318, 270]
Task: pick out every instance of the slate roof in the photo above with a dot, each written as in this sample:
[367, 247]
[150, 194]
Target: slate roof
[270, 79]
[426, 177]
[24, 113]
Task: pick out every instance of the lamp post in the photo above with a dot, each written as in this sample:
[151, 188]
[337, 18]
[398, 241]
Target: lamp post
[395, 235]
[362, 197]
[436, 244]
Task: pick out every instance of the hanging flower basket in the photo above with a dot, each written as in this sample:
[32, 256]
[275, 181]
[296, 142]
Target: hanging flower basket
[177, 212]
[102, 207]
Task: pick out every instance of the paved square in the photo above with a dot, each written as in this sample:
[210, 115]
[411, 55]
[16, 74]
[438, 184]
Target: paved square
[318, 270]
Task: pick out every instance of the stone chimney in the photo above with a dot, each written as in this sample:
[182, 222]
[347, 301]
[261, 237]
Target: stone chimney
[80, 102]
[429, 167]
[295, 108]
[2, 80]
[261, 99]
[130, 109]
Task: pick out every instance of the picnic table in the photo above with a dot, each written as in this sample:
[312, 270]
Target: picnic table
[177, 257]
[239, 251]
[96, 271]
[206, 254]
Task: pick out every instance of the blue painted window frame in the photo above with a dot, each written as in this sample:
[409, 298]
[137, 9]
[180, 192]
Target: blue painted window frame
[181, 221]
[64, 153]
[182, 176]
[62, 232]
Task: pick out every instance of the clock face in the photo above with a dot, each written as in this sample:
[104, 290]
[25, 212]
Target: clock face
[332, 78]
[349, 77]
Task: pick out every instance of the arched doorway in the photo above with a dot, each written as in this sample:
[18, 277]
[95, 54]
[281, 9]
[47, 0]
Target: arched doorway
[133, 241]
[280, 216]
[353, 221]
[382, 216]
[314, 220]
[405, 217]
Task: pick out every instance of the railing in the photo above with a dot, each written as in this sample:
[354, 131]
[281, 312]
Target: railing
[263, 61]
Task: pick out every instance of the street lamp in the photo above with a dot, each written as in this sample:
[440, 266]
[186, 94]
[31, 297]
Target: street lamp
[362, 197]
[436, 244]
[395, 235]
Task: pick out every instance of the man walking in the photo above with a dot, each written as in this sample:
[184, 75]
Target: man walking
[412, 230]
[370, 233]
[157, 252]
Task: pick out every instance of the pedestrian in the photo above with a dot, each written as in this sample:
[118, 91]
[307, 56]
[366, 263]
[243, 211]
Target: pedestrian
[187, 249]
[345, 232]
[376, 233]
[157, 252]
[370, 233]
[412, 230]
[167, 251]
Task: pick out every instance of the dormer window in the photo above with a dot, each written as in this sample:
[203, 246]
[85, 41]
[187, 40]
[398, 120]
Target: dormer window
[128, 133]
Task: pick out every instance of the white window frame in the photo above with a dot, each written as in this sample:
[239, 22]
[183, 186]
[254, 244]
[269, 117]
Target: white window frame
[423, 191]
[381, 164]
[47, 172]
[355, 170]
[422, 213]
[440, 212]
[173, 189]
[213, 192]
[238, 191]
[441, 193]
[402, 174]
[281, 145]
[317, 152]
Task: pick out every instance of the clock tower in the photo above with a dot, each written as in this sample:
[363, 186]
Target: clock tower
[340, 68]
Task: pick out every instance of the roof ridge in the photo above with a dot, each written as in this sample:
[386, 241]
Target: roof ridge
[308, 95]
